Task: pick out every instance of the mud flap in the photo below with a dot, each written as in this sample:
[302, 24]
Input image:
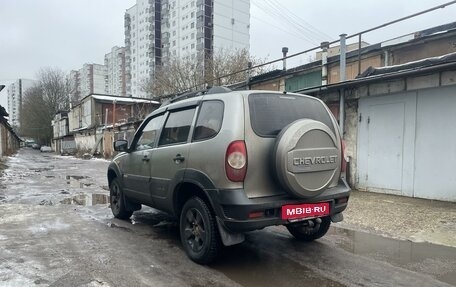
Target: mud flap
[229, 238]
[130, 206]
[338, 217]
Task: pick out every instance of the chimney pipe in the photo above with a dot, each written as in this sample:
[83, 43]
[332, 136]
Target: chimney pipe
[284, 52]
[249, 71]
[343, 49]
[324, 63]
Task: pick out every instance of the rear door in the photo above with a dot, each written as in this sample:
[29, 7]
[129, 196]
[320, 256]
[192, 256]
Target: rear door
[171, 156]
[269, 113]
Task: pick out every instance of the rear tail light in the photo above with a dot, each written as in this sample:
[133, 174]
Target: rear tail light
[236, 161]
[343, 164]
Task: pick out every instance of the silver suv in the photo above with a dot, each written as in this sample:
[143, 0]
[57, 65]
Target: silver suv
[224, 163]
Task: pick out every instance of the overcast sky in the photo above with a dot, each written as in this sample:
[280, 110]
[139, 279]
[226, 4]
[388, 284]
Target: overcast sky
[67, 34]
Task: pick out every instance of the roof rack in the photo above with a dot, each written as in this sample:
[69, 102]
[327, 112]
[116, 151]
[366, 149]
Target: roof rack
[192, 94]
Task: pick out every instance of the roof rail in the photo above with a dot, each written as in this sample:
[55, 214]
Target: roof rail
[192, 94]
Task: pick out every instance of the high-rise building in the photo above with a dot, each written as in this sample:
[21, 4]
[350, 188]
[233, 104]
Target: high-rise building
[75, 87]
[16, 93]
[90, 79]
[142, 44]
[115, 65]
[158, 30]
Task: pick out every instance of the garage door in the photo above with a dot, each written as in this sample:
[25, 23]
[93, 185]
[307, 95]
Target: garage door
[436, 144]
[385, 146]
[407, 144]
[385, 134]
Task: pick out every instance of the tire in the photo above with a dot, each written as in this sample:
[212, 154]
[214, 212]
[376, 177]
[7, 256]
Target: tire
[117, 200]
[199, 232]
[303, 232]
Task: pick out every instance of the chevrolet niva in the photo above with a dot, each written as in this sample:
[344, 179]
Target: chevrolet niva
[228, 162]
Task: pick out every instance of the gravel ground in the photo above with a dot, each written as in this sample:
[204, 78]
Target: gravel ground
[414, 219]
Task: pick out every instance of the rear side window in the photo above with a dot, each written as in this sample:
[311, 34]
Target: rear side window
[209, 120]
[177, 127]
[270, 113]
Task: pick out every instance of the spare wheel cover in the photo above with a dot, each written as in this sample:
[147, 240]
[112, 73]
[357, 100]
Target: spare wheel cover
[307, 157]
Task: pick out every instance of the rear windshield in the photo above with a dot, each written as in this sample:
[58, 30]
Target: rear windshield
[270, 113]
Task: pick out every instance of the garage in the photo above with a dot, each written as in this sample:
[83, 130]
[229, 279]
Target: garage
[407, 143]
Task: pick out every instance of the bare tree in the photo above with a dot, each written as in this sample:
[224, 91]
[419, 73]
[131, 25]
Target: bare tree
[178, 75]
[42, 102]
[55, 88]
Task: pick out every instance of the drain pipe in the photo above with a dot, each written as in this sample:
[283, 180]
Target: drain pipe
[324, 63]
[386, 63]
[343, 50]
[284, 53]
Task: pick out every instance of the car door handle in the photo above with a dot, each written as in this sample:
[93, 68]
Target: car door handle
[179, 158]
[145, 158]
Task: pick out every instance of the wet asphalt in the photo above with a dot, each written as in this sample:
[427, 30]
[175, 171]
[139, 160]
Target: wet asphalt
[56, 229]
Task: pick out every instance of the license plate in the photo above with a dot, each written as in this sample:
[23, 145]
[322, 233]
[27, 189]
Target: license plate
[305, 210]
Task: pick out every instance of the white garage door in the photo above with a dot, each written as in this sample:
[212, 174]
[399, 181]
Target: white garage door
[385, 146]
[407, 144]
[435, 160]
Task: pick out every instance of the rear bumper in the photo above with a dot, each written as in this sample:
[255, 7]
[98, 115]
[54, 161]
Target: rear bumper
[233, 207]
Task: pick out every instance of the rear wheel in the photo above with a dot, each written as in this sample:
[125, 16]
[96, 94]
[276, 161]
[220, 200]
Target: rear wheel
[117, 200]
[310, 230]
[198, 231]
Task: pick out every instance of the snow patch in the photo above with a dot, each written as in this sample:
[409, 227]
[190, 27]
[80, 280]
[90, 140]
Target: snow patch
[45, 227]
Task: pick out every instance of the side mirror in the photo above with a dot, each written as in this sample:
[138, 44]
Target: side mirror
[121, 145]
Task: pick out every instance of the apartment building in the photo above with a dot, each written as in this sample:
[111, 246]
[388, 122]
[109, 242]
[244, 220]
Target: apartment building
[116, 68]
[159, 30]
[90, 79]
[16, 92]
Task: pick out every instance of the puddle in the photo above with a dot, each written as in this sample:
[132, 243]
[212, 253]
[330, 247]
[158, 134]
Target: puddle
[87, 199]
[251, 266]
[75, 181]
[436, 260]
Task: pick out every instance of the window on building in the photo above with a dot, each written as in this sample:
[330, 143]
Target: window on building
[193, 14]
[192, 25]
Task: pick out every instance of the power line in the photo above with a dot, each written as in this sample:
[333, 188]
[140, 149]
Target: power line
[276, 15]
[299, 19]
[279, 28]
[277, 11]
